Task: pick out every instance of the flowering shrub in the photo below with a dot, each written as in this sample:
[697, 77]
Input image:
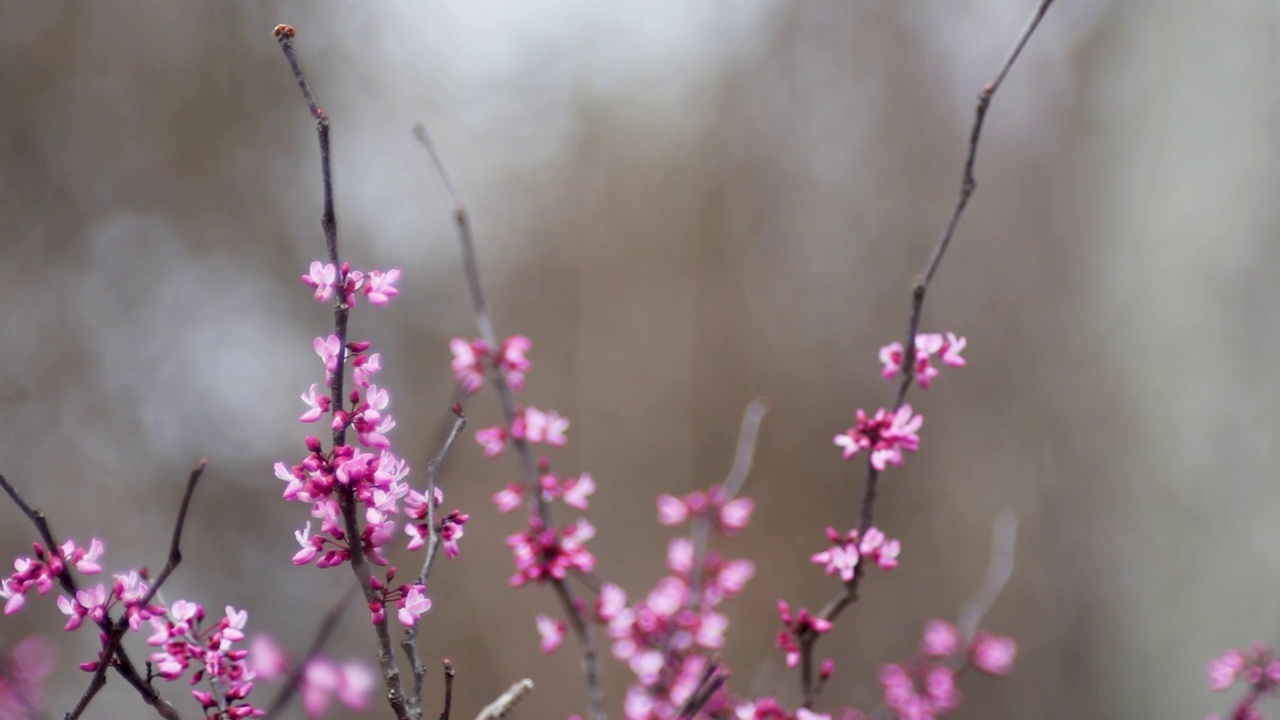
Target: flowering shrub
[362, 500]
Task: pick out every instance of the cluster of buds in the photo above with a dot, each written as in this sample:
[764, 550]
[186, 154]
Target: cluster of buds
[366, 473]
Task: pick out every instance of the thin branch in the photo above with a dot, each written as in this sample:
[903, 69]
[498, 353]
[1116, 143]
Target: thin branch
[328, 624]
[713, 678]
[285, 34]
[507, 700]
[448, 690]
[175, 542]
[968, 184]
[484, 322]
[409, 643]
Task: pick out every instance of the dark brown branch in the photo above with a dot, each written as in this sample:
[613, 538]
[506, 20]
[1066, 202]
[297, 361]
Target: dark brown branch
[285, 34]
[175, 542]
[409, 644]
[968, 184]
[484, 322]
[448, 690]
[328, 624]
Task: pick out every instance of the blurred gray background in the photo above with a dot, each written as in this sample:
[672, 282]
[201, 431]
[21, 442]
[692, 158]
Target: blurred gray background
[684, 205]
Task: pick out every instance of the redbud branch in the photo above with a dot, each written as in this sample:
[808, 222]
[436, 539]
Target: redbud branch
[448, 690]
[409, 644]
[175, 543]
[484, 321]
[112, 654]
[968, 184]
[293, 681]
[285, 34]
[115, 635]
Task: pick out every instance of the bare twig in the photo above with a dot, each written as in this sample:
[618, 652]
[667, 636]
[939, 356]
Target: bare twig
[409, 643]
[507, 700]
[328, 624]
[484, 322]
[448, 690]
[968, 184]
[285, 34]
[175, 542]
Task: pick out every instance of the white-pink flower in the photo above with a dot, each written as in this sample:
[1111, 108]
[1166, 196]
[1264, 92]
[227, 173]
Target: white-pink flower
[413, 605]
[552, 632]
[380, 286]
[322, 277]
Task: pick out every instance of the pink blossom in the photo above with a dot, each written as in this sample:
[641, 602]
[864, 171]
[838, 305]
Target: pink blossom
[940, 639]
[329, 349]
[380, 287]
[536, 426]
[577, 490]
[512, 360]
[671, 510]
[993, 654]
[317, 404]
[951, 350]
[842, 557]
[887, 435]
[413, 605]
[508, 498]
[468, 363]
[552, 632]
[322, 277]
[492, 439]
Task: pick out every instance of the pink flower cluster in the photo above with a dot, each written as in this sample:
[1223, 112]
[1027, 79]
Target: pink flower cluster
[573, 490]
[367, 473]
[845, 552]
[768, 709]
[926, 687]
[351, 682]
[667, 637]
[472, 358]
[889, 433]
[947, 348]
[177, 627]
[42, 571]
[377, 286]
[1258, 667]
[531, 425]
[540, 552]
[182, 642]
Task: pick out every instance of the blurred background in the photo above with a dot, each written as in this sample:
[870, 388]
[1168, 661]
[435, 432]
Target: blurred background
[685, 206]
